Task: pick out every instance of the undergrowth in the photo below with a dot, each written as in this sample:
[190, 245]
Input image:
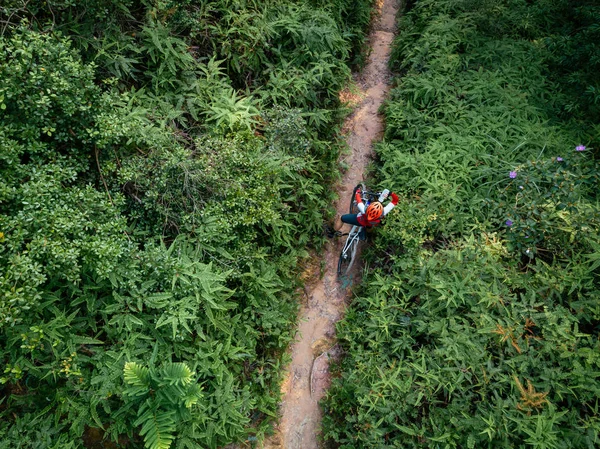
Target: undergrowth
[164, 170]
[477, 322]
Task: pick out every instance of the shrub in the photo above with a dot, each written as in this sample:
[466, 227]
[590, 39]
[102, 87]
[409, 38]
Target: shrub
[476, 319]
[155, 203]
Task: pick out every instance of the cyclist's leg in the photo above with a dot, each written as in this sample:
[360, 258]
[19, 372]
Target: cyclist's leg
[350, 219]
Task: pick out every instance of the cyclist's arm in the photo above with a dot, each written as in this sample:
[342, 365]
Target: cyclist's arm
[391, 204]
[359, 203]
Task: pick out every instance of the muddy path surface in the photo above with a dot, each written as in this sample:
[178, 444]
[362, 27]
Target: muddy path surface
[307, 376]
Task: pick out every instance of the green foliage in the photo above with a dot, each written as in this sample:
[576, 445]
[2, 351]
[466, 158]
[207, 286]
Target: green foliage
[36, 432]
[433, 350]
[354, 19]
[476, 325]
[165, 398]
[50, 234]
[157, 195]
[231, 113]
[546, 207]
[574, 61]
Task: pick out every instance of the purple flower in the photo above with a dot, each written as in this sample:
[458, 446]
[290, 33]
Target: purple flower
[559, 159]
[579, 148]
[508, 222]
[512, 174]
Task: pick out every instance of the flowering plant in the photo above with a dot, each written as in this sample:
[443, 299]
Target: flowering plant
[541, 208]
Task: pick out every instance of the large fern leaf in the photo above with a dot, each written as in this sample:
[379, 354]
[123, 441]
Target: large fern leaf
[138, 377]
[158, 426]
[176, 374]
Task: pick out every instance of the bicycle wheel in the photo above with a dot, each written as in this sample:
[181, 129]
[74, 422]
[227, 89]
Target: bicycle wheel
[348, 253]
[353, 205]
[343, 264]
[352, 254]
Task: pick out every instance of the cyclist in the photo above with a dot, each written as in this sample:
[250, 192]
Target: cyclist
[370, 216]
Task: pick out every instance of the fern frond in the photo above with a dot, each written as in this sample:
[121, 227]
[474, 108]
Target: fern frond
[193, 395]
[158, 426]
[94, 414]
[138, 377]
[176, 374]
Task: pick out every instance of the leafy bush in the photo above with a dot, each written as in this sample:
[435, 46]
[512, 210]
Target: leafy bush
[446, 352]
[476, 323]
[165, 396]
[156, 198]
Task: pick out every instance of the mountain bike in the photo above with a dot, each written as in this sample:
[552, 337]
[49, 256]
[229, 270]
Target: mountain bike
[357, 233]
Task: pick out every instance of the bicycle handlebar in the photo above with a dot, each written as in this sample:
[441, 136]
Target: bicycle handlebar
[371, 196]
[380, 196]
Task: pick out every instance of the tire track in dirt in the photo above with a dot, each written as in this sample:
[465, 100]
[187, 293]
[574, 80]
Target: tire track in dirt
[307, 376]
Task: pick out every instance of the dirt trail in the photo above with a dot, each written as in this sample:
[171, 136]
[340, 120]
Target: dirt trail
[307, 375]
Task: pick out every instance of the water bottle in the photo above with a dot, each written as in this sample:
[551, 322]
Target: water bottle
[384, 195]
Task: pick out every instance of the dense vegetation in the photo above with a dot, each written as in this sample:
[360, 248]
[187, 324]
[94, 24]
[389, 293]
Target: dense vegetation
[478, 322]
[163, 169]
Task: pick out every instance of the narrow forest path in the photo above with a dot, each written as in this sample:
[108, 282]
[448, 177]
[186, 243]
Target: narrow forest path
[307, 375]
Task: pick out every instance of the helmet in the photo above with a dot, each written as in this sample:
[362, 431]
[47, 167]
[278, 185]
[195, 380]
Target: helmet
[374, 211]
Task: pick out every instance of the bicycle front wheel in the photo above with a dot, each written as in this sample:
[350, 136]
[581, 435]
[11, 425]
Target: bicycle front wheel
[342, 264]
[348, 255]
